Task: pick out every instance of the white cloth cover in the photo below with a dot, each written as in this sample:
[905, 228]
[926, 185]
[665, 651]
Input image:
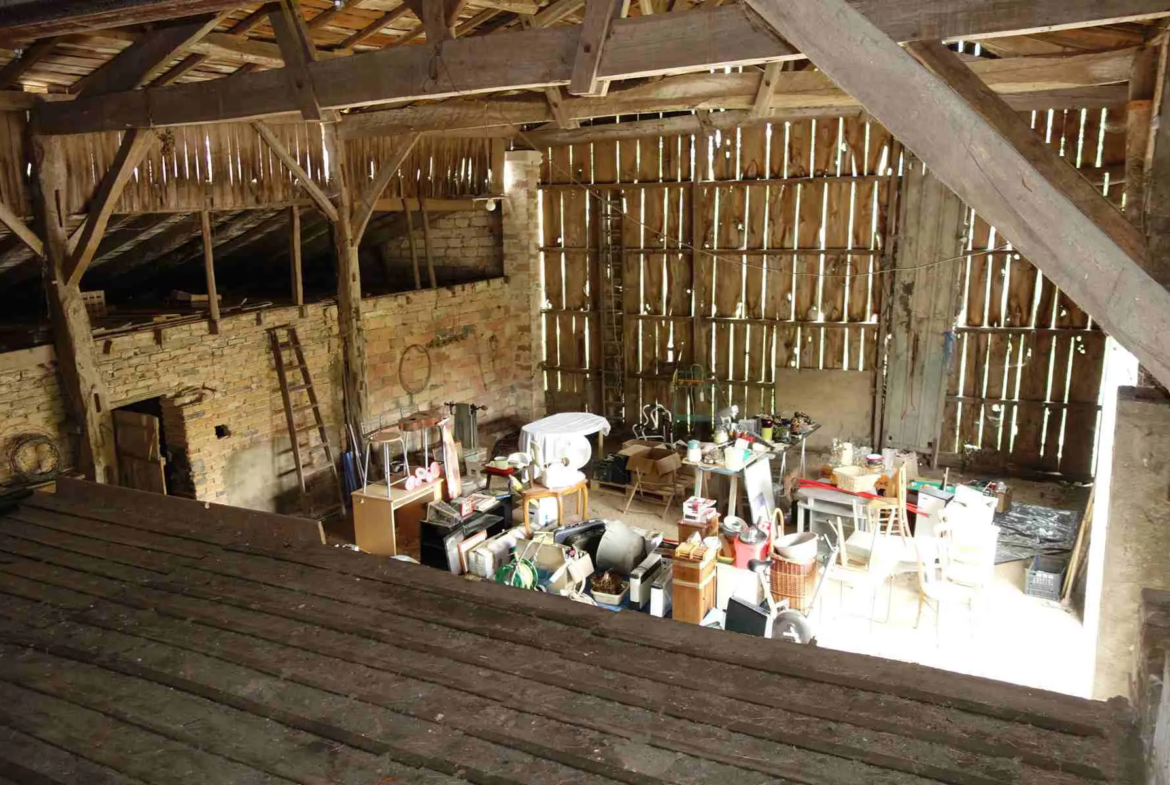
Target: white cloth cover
[560, 434]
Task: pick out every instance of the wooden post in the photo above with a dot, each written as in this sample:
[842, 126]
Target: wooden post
[1139, 112]
[72, 333]
[209, 269]
[422, 207]
[410, 240]
[349, 289]
[294, 255]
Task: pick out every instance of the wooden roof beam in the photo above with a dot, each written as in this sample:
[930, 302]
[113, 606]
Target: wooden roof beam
[375, 27]
[599, 17]
[135, 145]
[980, 147]
[792, 91]
[370, 195]
[29, 21]
[20, 229]
[298, 51]
[136, 63]
[311, 188]
[661, 44]
[12, 71]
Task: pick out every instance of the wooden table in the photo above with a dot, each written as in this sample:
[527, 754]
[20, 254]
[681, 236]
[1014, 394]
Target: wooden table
[386, 520]
[537, 492]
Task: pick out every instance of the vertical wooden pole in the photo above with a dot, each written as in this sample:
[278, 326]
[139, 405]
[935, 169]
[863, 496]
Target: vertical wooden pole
[422, 208]
[496, 185]
[1143, 84]
[209, 269]
[72, 333]
[410, 239]
[349, 289]
[294, 254]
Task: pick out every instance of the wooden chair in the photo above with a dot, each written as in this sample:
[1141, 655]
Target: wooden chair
[537, 492]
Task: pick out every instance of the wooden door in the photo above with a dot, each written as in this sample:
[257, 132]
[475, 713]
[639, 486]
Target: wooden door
[140, 462]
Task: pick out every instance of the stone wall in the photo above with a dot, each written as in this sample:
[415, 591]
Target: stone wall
[1137, 536]
[222, 409]
[464, 246]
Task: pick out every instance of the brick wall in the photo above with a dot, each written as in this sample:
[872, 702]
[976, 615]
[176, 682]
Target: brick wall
[477, 336]
[465, 246]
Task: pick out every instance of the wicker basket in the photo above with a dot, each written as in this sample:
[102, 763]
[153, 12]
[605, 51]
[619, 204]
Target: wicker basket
[794, 582]
[855, 479]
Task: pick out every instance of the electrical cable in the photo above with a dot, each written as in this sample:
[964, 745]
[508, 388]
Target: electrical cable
[682, 245]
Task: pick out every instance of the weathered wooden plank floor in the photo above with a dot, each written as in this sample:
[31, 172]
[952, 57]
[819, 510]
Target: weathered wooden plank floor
[142, 642]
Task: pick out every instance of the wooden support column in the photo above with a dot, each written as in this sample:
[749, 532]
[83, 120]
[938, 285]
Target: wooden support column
[349, 289]
[76, 358]
[1143, 84]
[294, 255]
[426, 223]
[981, 148]
[209, 270]
[411, 241]
[1151, 200]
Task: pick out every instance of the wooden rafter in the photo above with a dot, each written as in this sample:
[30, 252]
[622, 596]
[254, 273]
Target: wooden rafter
[664, 44]
[372, 192]
[433, 15]
[599, 17]
[10, 74]
[375, 27]
[209, 269]
[763, 105]
[298, 51]
[135, 145]
[984, 151]
[135, 64]
[20, 229]
[315, 193]
[35, 20]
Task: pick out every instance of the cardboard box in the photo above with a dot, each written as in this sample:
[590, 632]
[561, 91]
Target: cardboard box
[655, 462]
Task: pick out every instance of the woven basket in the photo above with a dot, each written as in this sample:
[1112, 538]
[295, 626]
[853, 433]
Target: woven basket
[794, 582]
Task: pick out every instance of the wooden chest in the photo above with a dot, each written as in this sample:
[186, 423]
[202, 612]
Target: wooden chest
[694, 582]
[709, 528]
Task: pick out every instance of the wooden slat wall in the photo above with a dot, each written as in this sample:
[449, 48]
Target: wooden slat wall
[1025, 383]
[750, 302]
[228, 166]
[13, 188]
[436, 167]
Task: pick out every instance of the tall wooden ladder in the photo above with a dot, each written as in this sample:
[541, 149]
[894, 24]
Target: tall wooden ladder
[613, 376]
[300, 399]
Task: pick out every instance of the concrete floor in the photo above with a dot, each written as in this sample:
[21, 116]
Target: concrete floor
[1012, 638]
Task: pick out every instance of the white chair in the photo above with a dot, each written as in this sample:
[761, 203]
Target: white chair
[866, 567]
[955, 566]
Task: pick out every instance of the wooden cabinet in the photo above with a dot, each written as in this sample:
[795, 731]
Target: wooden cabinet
[388, 525]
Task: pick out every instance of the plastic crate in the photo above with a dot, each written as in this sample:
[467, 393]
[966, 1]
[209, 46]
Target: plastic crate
[1045, 577]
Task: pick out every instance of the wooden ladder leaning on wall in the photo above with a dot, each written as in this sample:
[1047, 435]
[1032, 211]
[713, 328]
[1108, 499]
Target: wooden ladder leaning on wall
[613, 373]
[284, 338]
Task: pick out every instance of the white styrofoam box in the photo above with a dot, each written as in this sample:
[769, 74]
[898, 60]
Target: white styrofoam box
[732, 581]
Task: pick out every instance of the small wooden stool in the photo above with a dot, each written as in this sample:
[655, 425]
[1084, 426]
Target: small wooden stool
[540, 492]
[421, 421]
